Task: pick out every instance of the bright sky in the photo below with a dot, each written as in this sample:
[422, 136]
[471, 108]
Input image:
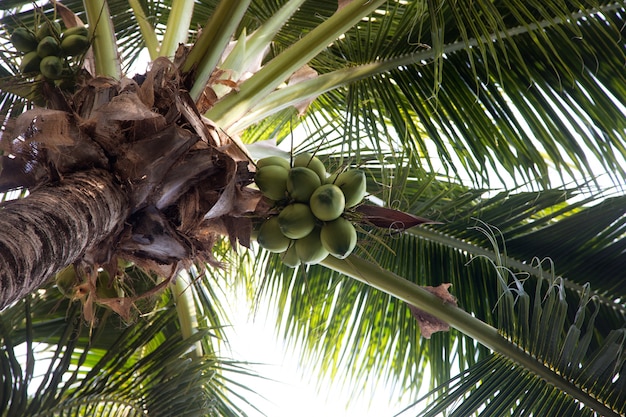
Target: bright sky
[293, 389]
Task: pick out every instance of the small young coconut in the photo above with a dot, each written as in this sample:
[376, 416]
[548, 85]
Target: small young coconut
[327, 202]
[301, 183]
[48, 46]
[296, 221]
[339, 237]
[272, 181]
[311, 162]
[51, 67]
[30, 62]
[271, 238]
[23, 40]
[74, 45]
[310, 249]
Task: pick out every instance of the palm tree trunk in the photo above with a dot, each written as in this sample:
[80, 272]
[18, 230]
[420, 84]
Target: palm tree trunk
[53, 227]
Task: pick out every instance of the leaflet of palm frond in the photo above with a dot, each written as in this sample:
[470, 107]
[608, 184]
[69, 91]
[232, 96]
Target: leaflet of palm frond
[108, 370]
[601, 227]
[541, 330]
[389, 218]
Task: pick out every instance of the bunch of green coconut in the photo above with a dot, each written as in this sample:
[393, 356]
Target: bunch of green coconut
[312, 219]
[47, 49]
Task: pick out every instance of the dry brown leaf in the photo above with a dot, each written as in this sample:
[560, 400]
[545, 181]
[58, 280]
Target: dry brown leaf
[238, 229]
[122, 305]
[127, 106]
[342, 3]
[247, 201]
[226, 201]
[394, 220]
[228, 83]
[207, 99]
[234, 147]
[201, 125]
[50, 127]
[151, 235]
[428, 323]
[181, 53]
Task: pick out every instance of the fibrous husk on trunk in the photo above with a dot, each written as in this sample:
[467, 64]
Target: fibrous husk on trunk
[185, 186]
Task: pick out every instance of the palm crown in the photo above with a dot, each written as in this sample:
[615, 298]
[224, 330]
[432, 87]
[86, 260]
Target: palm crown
[437, 102]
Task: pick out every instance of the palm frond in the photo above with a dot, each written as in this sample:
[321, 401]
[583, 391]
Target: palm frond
[481, 119]
[347, 325]
[497, 386]
[492, 62]
[112, 368]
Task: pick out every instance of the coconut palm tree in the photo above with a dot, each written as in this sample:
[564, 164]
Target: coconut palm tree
[438, 102]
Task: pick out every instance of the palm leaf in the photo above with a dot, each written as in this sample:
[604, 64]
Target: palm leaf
[345, 324]
[497, 386]
[470, 118]
[521, 30]
[116, 369]
[476, 126]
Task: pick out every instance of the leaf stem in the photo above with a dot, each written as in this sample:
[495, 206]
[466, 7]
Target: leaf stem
[104, 42]
[208, 49]
[147, 32]
[177, 29]
[235, 105]
[411, 293]
[250, 50]
[185, 309]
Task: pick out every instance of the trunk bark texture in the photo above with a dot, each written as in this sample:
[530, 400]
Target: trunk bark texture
[53, 227]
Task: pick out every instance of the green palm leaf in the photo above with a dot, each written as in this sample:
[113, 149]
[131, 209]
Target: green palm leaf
[497, 386]
[475, 80]
[112, 368]
[426, 86]
[345, 324]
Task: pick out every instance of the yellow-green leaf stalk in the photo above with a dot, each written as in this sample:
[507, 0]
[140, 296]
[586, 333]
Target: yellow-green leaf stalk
[147, 31]
[259, 41]
[251, 49]
[209, 47]
[104, 43]
[177, 29]
[185, 309]
[292, 94]
[411, 293]
[234, 106]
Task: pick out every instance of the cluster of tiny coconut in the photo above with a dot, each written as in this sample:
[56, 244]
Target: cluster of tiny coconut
[46, 48]
[311, 222]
